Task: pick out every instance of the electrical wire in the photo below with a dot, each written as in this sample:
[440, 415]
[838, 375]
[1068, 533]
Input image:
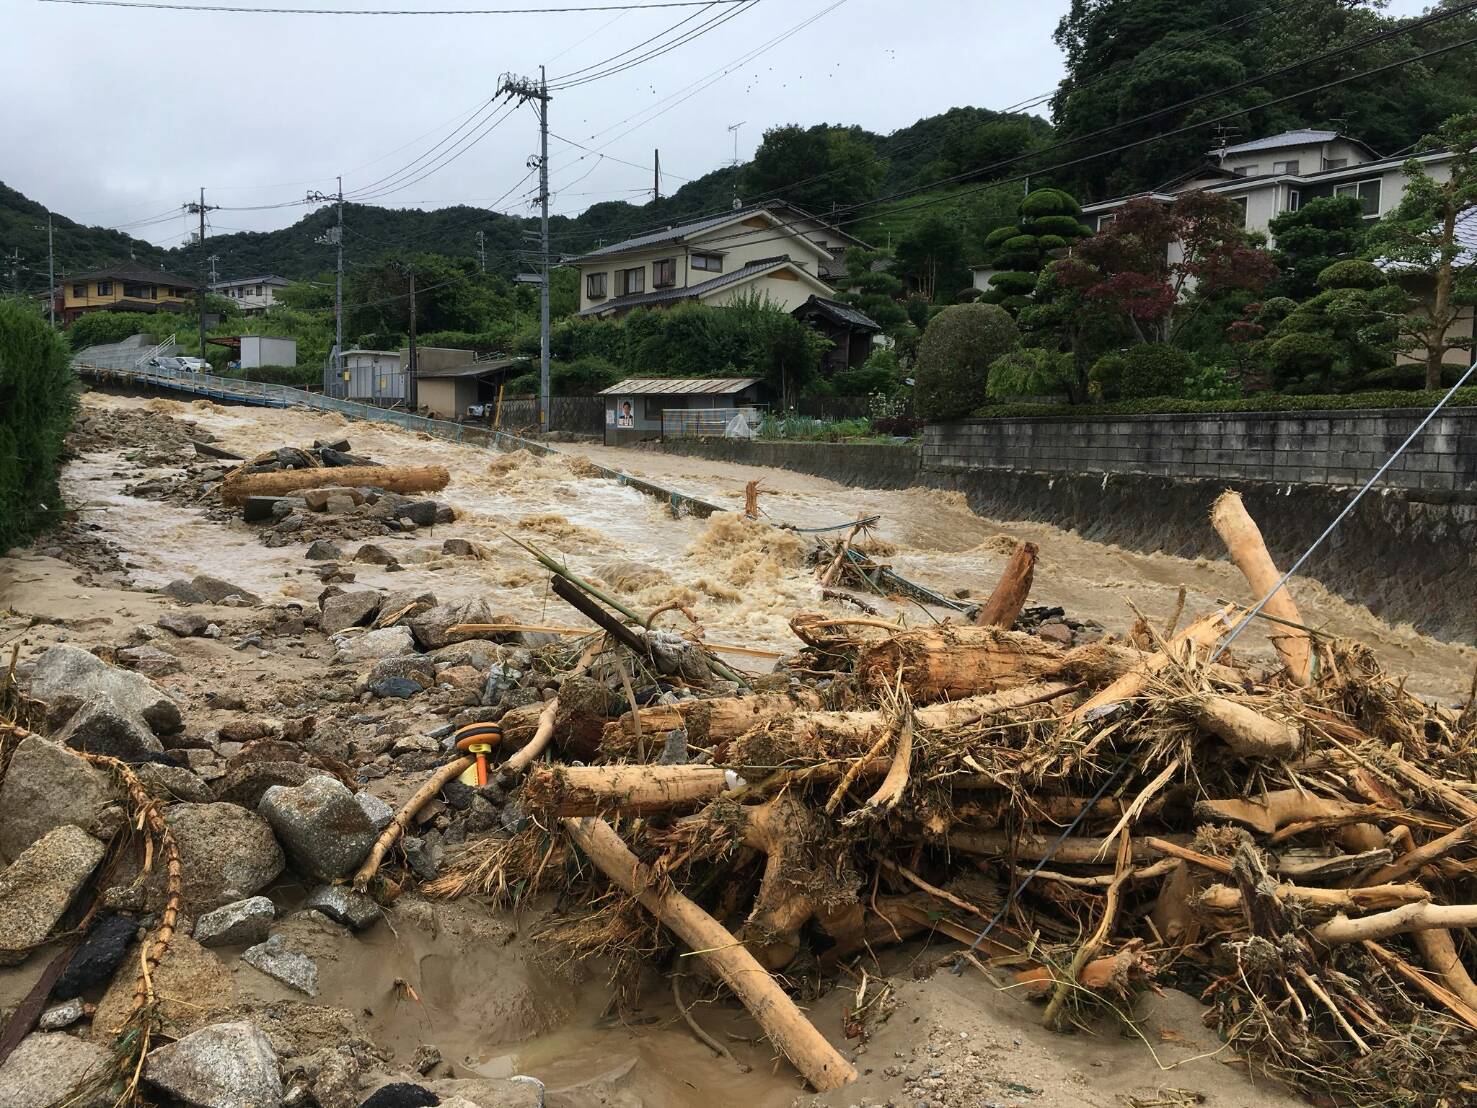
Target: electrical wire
[468, 121]
[629, 49]
[665, 48]
[151, 4]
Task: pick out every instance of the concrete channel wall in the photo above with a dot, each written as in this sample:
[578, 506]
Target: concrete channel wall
[1407, 552]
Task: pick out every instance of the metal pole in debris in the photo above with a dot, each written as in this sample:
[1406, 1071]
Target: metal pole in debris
[204, 283]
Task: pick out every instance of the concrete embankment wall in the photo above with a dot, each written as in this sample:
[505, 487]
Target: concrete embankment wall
[1408, 553]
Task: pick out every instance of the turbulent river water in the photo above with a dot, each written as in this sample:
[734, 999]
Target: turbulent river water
[744, 580]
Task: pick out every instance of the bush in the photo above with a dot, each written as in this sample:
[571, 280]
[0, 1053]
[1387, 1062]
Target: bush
[1106, 375]
[1351, 274]
[37, 403]
[1261, 402]
[1029, 371]
[98, 328]
[296, 376]
[879, 373]
[1211, 382]
[1048, 203]
[954, 359]
[1153, 369]
[584, 377]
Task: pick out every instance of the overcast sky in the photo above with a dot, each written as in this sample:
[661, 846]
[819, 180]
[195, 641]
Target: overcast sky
[119, 116]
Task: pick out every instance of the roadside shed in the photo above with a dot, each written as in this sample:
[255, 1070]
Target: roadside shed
[447, 393]
[850, 330]
[637, 408]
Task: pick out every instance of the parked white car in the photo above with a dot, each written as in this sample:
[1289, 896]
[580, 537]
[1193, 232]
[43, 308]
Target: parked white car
[194, 365]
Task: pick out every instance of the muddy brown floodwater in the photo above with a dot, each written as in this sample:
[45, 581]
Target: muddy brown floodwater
[744, 580]
[482, 997]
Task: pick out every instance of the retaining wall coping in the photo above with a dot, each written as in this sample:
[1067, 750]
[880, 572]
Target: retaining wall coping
[1218, 417]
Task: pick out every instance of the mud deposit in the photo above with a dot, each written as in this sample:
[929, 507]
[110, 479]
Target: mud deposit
[459, 998]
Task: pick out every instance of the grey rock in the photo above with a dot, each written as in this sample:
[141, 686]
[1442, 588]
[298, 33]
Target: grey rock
[262, 509]
[423, 856]
[62, 1015]
[104, 728]
[296, 971]
[184, 624]
[380, 814]
[226, 852]
[420, 512]
[445, 513]
[405, 604]
[37, 887]
[384, 642]
[215, 590]
[374, 554]
[184, 592]
[51, 1068]
[414, 667]
[68, 678]
[149, 660]
[458, 548]
[343, 905]
[321, 550]
[173, 783]
[240, 923]
[501, 680]
[45, 787]
[433, 627]
[225, 1065]
[322, 827]
[418, 556]
[348, 609]
[401, 688]
[245, 783]
[477, 653]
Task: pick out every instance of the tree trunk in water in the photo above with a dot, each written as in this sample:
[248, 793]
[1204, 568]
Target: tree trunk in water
[402, 479]
[1010, 592]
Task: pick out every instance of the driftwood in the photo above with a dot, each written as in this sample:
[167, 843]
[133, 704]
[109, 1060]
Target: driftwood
[711, 720]
[401, 479]
[1398, 921]
[391, 834]
[1248, 550]
[1225, 898]
[1246, 731]
[588, 790]
[1008, 597]
[952, 661]
[1280, 809]
[795, 1036]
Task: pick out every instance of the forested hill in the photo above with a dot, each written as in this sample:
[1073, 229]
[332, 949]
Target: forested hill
[1136, 69]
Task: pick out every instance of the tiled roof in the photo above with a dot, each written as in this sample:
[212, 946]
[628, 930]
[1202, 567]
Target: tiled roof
[132, 271]
[266, 278]
[1465, 236]
[679, 386]
[691, 292]
[784, 212]
[1277, 142]
[841, 313]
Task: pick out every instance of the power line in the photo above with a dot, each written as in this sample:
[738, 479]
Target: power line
[629, 49]
[665, 48]
[150, 4]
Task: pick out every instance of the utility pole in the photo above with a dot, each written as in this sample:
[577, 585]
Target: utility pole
[733, 129]
[50, 272]
[482, 251]
[412, 386]
[335, 236]
[15, 271]
[527, 90]
[656, 171]
[214, 277]
[200, 209]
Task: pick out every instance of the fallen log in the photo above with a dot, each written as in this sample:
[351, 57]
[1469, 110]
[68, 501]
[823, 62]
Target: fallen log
[1225, 898]
[1397, 921]
[1246, 731]
[724, 717]
[1200, 635]
[1248, 550]
[951, 661]
[1070, 851]
[401, 479]
[589, 790]
[1009, 595]
[1281, 808]
[795, 1036]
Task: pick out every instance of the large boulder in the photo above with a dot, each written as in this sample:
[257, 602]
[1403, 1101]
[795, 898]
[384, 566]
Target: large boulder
[241, 923]
[384, 642]
[48, 1069]
[348, 609]
[38, 886]
[226, 852]
[325, 831]
[433, 627]
[100, 708]
[215, 591]
[225, 1065]
[45, 787]
[194, 987]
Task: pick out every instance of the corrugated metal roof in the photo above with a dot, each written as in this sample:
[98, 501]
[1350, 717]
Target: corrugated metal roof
[679, 386]
[471, 369]
[691, 292]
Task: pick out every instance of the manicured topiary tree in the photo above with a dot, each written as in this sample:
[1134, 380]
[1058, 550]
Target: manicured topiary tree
[1154, 369]
[953, 368]
[1330, 342]
[1050, 220]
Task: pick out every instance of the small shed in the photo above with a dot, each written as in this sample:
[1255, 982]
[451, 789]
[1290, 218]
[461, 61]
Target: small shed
[260, 350]
[849, 329]
[448, 392]
[373, 375]
[636, 408]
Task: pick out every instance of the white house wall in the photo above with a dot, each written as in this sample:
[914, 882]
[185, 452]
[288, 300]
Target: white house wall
[785, 294]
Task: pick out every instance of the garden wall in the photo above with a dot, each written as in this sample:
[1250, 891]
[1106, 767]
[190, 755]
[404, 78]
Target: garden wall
[1408, 551]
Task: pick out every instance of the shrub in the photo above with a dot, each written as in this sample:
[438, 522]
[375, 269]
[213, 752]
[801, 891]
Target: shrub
[36, 408]
[1048, 203]
[98, 328]
[1211, 382]
[1106, 375]
[954, 358]
[1013, 282]
[1153, 369]
[879, 373]
[1351, 274]
[1261, 402]
[1029, 371]
[584, 377]
[297, 376]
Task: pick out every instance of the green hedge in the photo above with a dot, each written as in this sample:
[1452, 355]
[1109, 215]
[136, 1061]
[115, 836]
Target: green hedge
[1262, 402]
[37, 403]
[294, 376]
